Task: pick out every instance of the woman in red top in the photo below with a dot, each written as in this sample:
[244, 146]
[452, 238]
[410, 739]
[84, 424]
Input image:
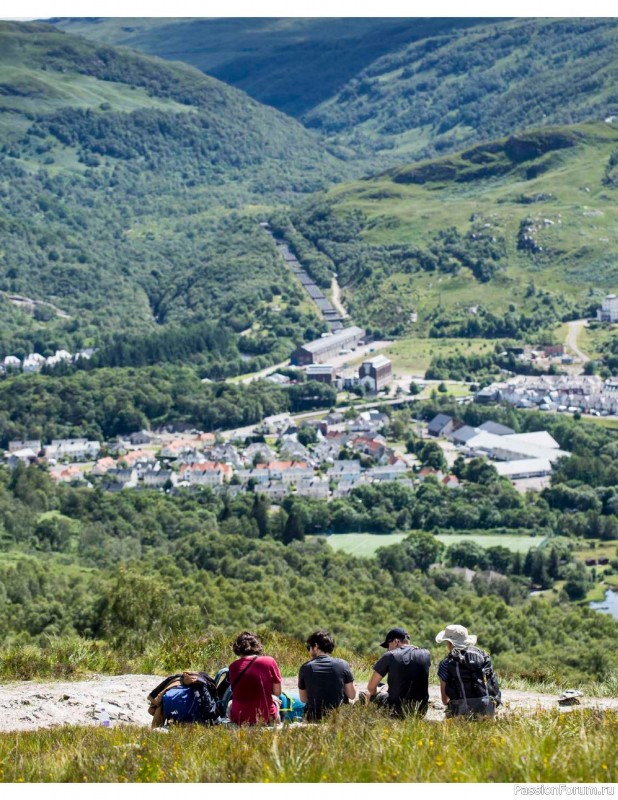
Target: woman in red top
[254, 679]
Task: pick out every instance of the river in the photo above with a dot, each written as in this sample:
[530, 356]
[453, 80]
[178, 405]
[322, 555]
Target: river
[609, 605]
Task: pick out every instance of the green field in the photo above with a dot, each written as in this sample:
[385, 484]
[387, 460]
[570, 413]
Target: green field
[414, 355]
[364, 545]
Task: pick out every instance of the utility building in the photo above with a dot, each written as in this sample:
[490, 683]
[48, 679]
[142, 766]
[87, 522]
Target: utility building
[324, 373]
[322, 350]
[378, 371]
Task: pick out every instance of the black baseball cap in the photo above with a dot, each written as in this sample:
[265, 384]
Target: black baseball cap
[394, 633]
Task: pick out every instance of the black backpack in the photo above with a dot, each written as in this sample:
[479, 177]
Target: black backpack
[471, 677]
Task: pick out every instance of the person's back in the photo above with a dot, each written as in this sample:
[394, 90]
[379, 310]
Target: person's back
[324, 682]
[407, 668]
[468, 682]
[254, 679]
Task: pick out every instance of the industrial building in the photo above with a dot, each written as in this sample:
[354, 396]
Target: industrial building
[325, 373]
[321, 350]
[376, 372]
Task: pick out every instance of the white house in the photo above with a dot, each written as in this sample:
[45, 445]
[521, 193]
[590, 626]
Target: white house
[33, 362]
[76, 449]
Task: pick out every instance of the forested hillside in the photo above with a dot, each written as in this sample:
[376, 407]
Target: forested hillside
[397, 89]
[444, 92]
[131, 192]
[293, 64]
[137, 579]
[504, 239]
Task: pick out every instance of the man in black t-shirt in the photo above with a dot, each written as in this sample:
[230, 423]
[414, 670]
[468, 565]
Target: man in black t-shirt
[324, 682]
[407, 668]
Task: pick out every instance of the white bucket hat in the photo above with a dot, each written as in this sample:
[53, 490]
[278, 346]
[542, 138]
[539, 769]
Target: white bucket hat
[457, 635]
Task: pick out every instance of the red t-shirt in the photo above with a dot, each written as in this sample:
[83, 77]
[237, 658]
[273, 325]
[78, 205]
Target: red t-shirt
[252, 700]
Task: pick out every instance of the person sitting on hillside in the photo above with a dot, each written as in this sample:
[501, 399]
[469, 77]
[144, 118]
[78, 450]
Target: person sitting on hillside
[254, 679]
[468, 684]
[407, 667]
[324, 682]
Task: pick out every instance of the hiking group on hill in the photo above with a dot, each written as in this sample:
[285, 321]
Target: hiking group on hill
[249, 691]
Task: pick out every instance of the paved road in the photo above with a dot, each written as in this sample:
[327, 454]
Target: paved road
[571, 342]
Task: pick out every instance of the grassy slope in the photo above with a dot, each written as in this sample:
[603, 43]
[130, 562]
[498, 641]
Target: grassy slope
[354, 745]
[578, 259]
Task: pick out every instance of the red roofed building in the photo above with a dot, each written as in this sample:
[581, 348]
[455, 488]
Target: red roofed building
[207, 474]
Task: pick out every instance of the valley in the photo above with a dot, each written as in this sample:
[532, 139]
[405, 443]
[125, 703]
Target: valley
[307, 324]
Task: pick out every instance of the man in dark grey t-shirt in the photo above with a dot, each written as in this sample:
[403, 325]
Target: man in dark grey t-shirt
[407, 668]
[324, 682]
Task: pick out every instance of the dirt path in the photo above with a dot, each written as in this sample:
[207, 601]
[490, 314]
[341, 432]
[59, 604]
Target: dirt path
[336, 298]
[29, 705]
[571, 342]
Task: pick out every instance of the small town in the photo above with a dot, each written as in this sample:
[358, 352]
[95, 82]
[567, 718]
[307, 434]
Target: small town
[318, 456]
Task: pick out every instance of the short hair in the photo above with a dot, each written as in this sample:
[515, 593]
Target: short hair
[247, 644]
[323, 640]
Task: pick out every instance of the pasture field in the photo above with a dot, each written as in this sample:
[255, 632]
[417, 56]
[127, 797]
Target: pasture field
[413, 355]
[596, 549]
[364, 545]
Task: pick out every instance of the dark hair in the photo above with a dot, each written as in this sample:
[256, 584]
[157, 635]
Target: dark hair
[247, 644]
[323, 640]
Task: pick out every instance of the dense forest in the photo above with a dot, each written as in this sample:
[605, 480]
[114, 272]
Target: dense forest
[124, 201]
[107, 402]
[125, 569]
[441, 93]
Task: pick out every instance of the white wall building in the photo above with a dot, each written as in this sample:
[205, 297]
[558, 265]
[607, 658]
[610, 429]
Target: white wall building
[609, 309]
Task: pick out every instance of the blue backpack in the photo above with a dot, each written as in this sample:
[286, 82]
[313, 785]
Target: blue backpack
[292, 708]
[185, 704]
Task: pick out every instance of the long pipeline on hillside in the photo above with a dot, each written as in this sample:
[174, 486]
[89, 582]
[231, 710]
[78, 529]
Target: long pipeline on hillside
[333, 318]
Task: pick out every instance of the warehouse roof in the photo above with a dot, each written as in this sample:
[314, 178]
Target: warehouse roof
[378, 361]
[342, 336]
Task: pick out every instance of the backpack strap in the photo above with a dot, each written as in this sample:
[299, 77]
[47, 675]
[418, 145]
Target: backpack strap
[249, 665]
[463, 691]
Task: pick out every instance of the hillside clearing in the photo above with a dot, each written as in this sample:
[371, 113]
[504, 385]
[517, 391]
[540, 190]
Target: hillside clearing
[365, 545]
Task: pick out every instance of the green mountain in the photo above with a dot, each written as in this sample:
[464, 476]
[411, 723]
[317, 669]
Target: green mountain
[501, 239]
[397, 89]
[466, 86]
[132, 188]
[293, 64]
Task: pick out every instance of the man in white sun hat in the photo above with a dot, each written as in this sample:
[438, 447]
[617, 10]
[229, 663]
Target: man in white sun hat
[468, 683]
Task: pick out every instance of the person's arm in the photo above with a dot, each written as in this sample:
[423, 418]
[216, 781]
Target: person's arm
[372, 686]
[445, 697]
[302, 689]
[349, 690]
[276, 678]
